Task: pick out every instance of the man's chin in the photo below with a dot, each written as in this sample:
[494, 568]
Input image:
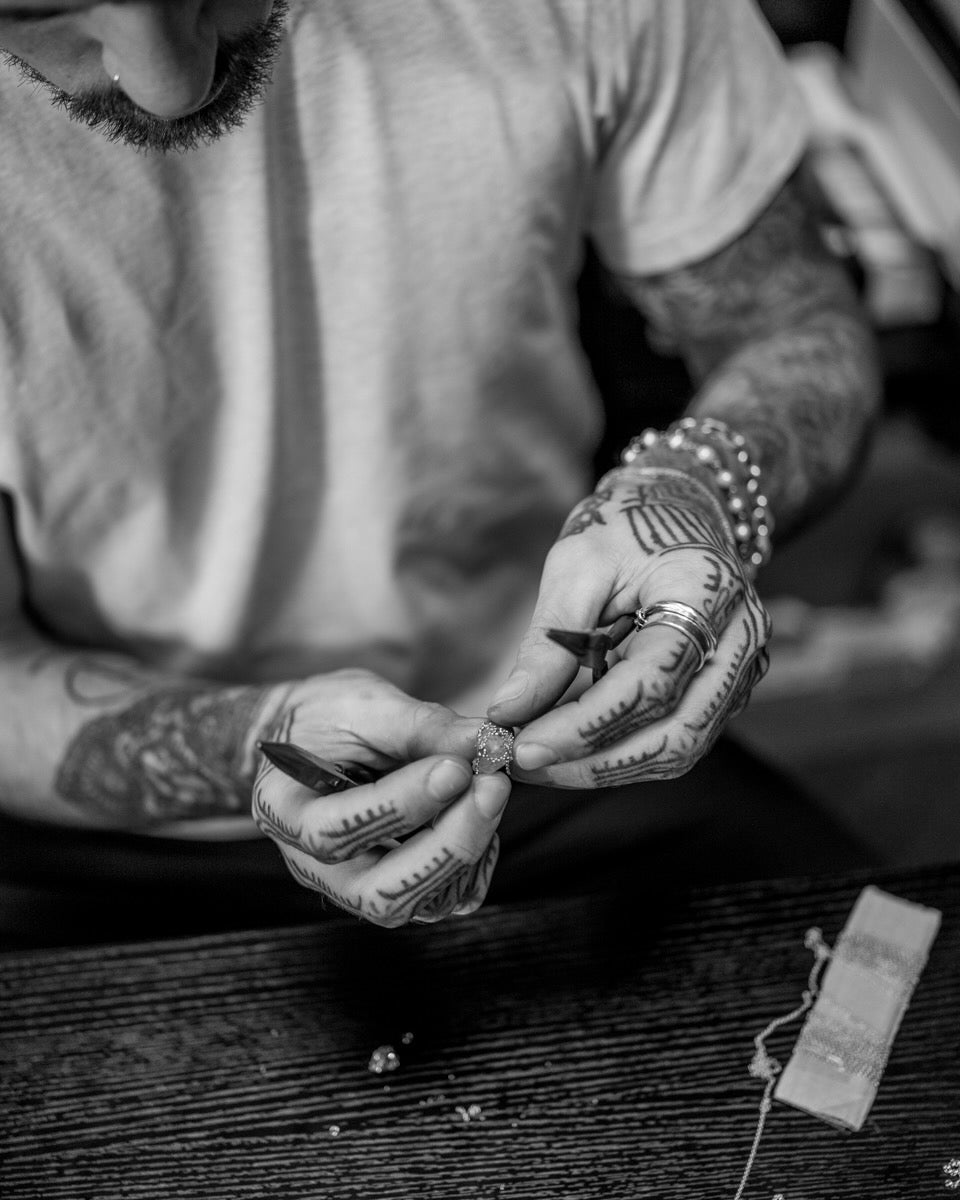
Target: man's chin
[242, 77]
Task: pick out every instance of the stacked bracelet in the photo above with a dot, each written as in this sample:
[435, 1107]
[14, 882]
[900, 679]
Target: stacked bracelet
[736, 475]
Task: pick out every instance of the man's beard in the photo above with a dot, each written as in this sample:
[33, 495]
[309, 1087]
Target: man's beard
[243, 71]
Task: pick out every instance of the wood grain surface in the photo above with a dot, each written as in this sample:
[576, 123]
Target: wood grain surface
[605, 1041]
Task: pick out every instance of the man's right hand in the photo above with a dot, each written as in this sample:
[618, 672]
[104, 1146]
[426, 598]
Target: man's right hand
[347, 845]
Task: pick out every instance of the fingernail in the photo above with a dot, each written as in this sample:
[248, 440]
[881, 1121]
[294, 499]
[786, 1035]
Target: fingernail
[530, 756]
[448, 778]
[490, 794]
[467, 908]
[514, 687]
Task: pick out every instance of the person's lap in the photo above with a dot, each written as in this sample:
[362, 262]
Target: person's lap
[731, 818]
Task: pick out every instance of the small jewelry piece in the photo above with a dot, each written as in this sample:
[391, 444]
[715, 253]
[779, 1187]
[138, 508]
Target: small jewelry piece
[383, 1060]
[686, 620]
[494, 749]
[115, 80]
[952, 1172]
[736, 475]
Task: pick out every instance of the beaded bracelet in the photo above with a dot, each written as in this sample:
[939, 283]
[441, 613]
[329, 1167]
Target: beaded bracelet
[737, 479]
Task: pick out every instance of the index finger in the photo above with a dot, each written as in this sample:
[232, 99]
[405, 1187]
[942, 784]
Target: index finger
[342, 825]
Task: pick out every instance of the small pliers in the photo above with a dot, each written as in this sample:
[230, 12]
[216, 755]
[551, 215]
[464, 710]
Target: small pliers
[590, 647]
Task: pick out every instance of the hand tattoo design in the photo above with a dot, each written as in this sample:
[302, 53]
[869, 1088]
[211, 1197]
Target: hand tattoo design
[587, 513]
[651, 702]
[336, 844]
[669, 515]
[430, 894]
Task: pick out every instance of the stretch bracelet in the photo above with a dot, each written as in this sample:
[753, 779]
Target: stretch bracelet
[736, 475]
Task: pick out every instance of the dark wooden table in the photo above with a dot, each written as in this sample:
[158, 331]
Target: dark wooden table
[604, 1041]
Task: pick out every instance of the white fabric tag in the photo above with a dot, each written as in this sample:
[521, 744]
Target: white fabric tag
[842, 1050]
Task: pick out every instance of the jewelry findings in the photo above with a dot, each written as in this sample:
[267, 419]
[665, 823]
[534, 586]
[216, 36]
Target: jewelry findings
[686, 620]
[494, 749]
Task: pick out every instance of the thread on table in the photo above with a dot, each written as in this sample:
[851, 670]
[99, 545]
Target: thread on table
[763, 1065]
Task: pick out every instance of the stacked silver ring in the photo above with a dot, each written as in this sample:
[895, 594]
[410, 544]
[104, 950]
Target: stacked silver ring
[686, 620]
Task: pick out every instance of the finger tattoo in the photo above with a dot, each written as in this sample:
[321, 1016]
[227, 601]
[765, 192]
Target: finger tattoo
[309, 878]
[650, 702]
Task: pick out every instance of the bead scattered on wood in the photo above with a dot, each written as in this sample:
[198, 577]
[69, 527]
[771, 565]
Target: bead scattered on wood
[383, 1060]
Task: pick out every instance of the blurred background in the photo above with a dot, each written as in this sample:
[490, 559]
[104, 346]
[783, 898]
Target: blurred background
[862, 702]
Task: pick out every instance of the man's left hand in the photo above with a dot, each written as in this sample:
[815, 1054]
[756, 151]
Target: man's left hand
[643, 538]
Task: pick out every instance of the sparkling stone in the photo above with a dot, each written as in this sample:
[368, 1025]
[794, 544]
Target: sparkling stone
[406, 1039]
[469, 1112]
[334, 1131]
[494, 748]
[383, 1059]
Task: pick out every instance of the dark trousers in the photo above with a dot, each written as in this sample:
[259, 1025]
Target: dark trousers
[732, 818]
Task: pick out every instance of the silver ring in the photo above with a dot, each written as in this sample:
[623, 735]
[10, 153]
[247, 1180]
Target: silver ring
[494, 749]
[686, 620]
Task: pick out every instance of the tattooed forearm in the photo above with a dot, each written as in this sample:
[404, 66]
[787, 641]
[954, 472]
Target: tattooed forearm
[772, 331]
[175, 752]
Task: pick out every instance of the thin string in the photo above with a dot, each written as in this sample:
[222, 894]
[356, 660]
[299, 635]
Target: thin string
[763, 1065]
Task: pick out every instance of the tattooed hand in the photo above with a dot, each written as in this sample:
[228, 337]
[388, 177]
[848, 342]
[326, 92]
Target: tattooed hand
[419, 843]
[641, 539]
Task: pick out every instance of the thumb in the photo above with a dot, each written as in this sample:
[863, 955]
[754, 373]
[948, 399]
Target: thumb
[543, 670]
[436, 729]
